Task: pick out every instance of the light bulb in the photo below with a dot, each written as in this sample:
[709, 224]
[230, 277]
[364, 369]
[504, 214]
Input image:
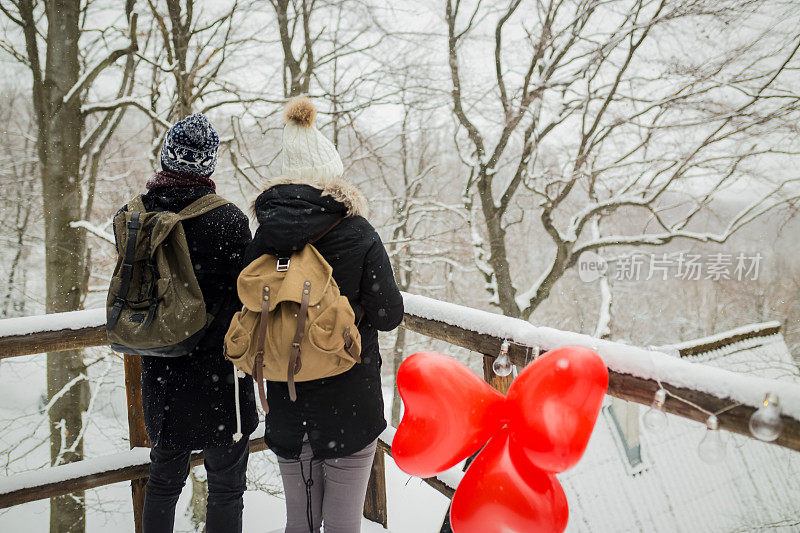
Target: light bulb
[502, 364]
[655, 419]
[765, 422]
[712, 448]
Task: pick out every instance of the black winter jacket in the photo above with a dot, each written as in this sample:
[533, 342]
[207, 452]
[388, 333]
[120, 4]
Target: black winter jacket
[344, 413]
[189, 401]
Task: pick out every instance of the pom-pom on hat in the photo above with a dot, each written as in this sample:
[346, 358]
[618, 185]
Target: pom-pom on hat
[307, 153]
[191, 146]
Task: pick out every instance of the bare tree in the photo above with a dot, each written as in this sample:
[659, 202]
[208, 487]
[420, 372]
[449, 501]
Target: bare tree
[59, 87]
[18, 170]
[583, 114]
[193, 50]
[415, 217]
[326, 51]
[298, 67]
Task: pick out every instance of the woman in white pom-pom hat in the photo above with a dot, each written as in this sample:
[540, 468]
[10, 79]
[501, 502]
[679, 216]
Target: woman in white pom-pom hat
[326, 440]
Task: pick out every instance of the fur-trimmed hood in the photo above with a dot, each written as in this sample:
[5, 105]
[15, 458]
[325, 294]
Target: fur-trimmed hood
[339, 189]
[291, 212]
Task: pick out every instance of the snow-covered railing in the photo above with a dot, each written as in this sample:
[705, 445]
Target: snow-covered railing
[87, 474]
[134, 464]
[721, 340]
[52, 333]
[82, 475]
[635, 375]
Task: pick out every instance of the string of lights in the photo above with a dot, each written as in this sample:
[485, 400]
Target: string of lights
[765, 422]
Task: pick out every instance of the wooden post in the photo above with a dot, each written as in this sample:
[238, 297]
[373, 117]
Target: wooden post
[136, 429]
[375, 503]
[500, 383]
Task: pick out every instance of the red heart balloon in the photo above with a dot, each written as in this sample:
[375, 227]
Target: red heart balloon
[501, 495]
[449, 414]
[553, 405]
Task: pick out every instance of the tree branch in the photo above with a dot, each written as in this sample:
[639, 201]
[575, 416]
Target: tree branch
[86, 80]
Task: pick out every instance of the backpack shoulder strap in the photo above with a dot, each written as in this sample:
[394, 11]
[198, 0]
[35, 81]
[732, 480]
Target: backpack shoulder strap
[202, 205]
[126, 270]
[325, 231]
[168, 220]
[137, 204]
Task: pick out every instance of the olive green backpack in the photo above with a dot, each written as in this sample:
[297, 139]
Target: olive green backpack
[154, 304]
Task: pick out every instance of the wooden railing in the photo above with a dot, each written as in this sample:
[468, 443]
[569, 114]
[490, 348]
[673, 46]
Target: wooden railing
[477, 331]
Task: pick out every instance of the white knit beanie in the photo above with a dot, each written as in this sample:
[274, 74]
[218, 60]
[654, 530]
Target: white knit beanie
[307, 154]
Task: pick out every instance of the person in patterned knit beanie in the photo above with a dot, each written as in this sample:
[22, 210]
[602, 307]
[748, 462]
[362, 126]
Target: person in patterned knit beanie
[191, 146]
[197, 401]
[189, 154]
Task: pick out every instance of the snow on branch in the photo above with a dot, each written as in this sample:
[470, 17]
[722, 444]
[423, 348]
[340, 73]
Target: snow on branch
[580, 219]
[759, 207]
[65, 389]
[94, 230]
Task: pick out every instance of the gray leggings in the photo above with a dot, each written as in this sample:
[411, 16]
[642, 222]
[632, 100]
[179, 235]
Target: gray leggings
[336, 496]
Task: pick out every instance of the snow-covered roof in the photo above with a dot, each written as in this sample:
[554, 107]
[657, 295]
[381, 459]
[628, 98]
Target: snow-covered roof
[673, 489]
[756, 349]
[722, 342]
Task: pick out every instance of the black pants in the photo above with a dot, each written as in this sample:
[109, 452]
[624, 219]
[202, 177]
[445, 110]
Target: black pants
[226, 468]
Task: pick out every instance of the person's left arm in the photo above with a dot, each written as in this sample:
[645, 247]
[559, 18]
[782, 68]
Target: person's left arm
[381, 301]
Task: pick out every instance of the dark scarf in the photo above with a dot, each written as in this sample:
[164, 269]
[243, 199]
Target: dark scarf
[179, 179]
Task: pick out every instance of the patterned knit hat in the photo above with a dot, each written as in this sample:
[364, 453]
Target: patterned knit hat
[191, 146]
[307, 154]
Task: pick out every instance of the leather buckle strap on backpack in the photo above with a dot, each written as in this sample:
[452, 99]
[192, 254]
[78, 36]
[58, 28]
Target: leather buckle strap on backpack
[258, 374]
[348, 345]
[295, 363]
[283, 264]
[258, 371]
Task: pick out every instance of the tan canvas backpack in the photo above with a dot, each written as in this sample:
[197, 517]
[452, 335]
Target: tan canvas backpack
[295, 324]
[155, 306]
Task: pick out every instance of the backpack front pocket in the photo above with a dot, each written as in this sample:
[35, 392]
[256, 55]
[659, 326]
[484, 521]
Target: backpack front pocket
[325, 333]
[240, 340]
